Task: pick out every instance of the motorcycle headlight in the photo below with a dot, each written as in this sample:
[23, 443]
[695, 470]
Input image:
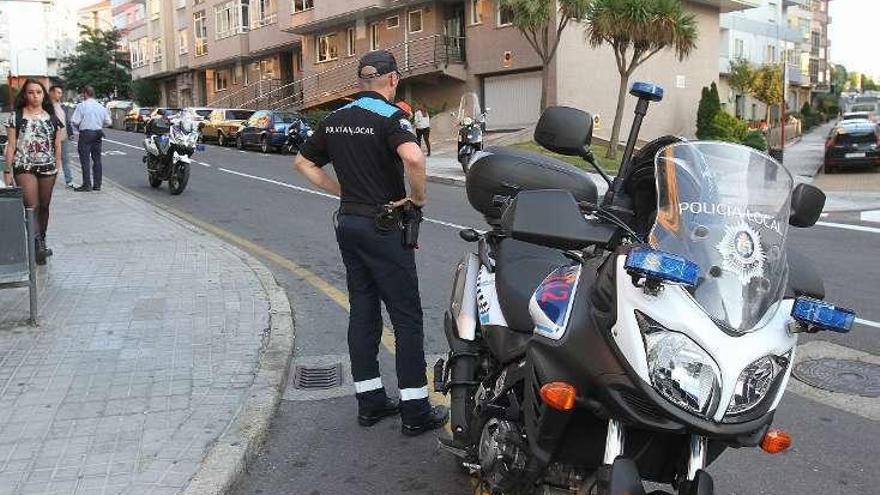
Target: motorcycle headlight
[753, 384]
[467, 121]
[682, 372]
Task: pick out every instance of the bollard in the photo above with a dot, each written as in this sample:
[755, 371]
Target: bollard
[32, 262]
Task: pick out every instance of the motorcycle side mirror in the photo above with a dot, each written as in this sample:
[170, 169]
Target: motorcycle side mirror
[487, 110]
[564, 130]
[807, 202]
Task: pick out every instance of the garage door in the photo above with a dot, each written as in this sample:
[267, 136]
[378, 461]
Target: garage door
[514, 100]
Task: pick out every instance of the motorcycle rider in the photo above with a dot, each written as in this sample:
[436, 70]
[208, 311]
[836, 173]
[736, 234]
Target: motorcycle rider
[371, 144]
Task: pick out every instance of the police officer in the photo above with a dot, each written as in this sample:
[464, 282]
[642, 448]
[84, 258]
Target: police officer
[371, 144]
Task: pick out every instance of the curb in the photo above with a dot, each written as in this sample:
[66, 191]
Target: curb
[446, 179]
[228, 457]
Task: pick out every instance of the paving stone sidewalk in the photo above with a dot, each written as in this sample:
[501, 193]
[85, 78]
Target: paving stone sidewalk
[150, 336]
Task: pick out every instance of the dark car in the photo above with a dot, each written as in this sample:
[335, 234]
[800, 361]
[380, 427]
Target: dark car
[266, 129]
[853, 143]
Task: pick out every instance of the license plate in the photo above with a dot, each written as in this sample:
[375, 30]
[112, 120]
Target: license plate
[855, 155]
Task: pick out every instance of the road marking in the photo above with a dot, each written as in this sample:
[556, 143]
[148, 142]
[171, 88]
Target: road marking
[847, 226]
[325, 195]
[870, 216]
[203, 164]
[120, 143]
[328, 289]
[867, 323]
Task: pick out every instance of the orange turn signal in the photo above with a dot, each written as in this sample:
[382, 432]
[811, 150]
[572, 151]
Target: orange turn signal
[559, 395]
[775, 441]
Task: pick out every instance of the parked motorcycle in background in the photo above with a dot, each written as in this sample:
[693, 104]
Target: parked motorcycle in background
[599, 342]
[297, 134]
[168, 156]
[471, 126]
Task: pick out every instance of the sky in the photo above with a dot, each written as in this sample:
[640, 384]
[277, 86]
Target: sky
[853, 35]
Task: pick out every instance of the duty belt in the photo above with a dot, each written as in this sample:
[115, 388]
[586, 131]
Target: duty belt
[360, 209]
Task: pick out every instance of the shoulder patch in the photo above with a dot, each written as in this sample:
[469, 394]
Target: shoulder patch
[406, 125]
[379, 107]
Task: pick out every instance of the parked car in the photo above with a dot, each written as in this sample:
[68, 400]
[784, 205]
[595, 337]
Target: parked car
[160, 120]
[137, 119]
[852, 144]
[266, 129]
[849, 116]
[197, 114]
[223, 124]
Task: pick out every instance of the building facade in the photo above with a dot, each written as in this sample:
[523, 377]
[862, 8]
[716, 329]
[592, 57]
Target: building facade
[35, 36]
[98, 15]
[302, 54]
[820, 47]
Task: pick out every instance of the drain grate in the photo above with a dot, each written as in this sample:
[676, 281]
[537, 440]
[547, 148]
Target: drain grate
[840, 375]
[317, 377]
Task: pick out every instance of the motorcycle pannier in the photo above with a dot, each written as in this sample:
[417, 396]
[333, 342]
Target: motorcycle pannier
[500, 173]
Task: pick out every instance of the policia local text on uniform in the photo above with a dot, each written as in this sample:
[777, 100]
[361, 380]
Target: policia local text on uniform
[371, 143]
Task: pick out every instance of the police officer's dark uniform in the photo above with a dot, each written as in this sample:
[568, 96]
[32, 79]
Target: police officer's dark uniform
[361, 140]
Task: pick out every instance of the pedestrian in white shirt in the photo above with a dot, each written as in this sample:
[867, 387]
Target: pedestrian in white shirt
[89, 119]
[423, 128]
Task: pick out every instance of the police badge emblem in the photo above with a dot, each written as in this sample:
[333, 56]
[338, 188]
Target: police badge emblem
[406, 125]
[741, 252]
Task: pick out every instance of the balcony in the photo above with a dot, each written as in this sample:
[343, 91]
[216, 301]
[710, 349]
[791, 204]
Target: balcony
[804, 4]
[796, 77]
[730, 5]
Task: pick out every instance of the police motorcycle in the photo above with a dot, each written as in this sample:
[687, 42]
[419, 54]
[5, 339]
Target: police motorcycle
[168, 156]
[600, 343]
[297, 134]
[471, 126]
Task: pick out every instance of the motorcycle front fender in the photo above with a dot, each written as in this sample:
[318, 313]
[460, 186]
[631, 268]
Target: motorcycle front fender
[181, 158]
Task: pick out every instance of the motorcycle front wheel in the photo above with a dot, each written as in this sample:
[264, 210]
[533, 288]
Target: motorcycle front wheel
[177, 182]
[155, 182]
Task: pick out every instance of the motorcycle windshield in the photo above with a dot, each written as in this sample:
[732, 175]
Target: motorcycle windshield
[725, 207]
[469, 109]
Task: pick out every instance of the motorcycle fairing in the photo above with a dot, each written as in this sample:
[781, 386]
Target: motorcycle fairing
[732, 353]
[488, 307]
[552, 302]
[464, 295]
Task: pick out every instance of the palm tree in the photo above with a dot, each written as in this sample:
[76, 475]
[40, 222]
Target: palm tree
[636, 30]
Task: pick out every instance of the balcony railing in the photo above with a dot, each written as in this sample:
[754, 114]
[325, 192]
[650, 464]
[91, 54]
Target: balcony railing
[416, 57]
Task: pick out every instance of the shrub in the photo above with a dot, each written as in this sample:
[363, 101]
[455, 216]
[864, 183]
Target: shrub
[726, 127]
[755, 139]
[146, 92]
[709, 107]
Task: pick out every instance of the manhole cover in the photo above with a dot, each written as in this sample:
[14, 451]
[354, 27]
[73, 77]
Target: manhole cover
[317, 377]
[841, 375]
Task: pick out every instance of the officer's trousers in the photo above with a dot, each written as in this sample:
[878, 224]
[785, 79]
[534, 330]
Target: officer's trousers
[379, 268]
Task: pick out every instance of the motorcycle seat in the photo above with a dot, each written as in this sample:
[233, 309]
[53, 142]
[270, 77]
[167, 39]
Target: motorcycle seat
[519, 268]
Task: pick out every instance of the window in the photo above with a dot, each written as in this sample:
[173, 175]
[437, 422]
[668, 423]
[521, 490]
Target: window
[183, 41]
[230, 18]
[771, 54]
[154, 8]
[221, 80]
[157, 50]
[392, 22]
[476, 8]
[738, 48]
[505, 16]
[350, 42]
[415, 21]
[816, 40]
[374, 37]
[327, 47]
[301, 5]
[267, 68]
[263, 13]
[181, 4]
[200, 33]
[138, 53]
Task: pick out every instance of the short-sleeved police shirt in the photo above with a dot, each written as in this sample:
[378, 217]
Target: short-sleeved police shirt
[361, 140]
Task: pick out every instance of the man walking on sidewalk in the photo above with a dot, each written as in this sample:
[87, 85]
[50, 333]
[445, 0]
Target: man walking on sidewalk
[89, 118]
[57, 92]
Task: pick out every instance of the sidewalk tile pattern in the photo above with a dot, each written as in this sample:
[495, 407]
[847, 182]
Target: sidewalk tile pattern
[148, 341]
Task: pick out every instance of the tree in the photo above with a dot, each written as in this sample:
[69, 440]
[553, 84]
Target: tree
[740, 77]
[636, 30]
[98, 62]
[709, 107]
[145, 92]
[838, 78]
[533, 18]
[767, 87]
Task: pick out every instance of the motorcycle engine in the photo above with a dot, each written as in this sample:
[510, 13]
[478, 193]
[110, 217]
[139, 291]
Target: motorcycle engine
[503, 455]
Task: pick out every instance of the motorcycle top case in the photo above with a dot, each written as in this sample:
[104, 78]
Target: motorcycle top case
[503, 172]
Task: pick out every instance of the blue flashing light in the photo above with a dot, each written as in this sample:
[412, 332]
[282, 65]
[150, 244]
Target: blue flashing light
[823, 314]
[662, 265]
[651, 91]
[200, 147]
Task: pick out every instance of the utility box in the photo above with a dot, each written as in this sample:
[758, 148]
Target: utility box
[17, 257]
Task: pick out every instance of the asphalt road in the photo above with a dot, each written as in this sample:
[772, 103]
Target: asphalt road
[315, 446]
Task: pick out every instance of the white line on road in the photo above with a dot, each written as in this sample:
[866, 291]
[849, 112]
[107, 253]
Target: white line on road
[867, 323]
[847, 226]
[323, 194]
[120, 143]
[203, 164]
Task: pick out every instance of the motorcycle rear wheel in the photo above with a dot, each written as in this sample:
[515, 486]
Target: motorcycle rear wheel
[177, 182]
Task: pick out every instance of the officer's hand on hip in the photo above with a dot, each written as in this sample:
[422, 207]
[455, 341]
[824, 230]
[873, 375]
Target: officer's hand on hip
[404, 201]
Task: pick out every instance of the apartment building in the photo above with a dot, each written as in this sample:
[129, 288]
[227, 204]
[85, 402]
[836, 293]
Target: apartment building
[820, 45]
[35, 36]
[98, 15]
[302, 54]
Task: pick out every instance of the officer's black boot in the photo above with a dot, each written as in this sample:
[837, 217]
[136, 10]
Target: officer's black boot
[435, 418]
[370, 415]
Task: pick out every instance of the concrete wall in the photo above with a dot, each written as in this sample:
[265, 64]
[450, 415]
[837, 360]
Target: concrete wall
[588, 79]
